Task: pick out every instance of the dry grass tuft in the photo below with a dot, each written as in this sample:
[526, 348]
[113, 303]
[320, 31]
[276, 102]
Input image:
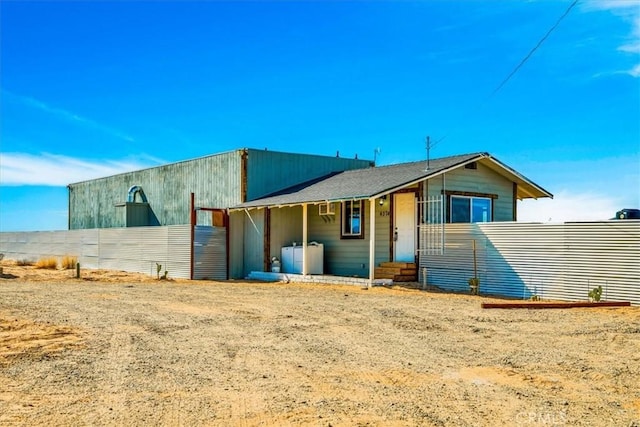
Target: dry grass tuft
[69, 262]
[47, 263]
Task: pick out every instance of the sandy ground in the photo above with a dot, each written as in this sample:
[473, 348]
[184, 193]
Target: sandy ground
[118, 349]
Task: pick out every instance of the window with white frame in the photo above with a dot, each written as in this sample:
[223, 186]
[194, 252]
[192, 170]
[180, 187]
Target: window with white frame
[351, 218]
[470, 209]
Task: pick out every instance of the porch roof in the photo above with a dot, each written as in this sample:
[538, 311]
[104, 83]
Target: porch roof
[375, 182]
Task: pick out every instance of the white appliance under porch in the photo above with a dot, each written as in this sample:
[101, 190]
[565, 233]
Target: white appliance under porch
[291, 257]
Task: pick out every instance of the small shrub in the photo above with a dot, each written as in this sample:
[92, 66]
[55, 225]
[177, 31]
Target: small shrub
[595, 294]
[474, 285]
[69, 262]
[24, 262]
[47, 263]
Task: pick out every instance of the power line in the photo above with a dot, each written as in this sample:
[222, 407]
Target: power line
[525, 59]
[515, 70]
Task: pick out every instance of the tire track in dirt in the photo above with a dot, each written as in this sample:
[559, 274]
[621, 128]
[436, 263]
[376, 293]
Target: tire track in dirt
[117, 360]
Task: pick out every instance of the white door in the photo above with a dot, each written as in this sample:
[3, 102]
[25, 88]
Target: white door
[404, 216]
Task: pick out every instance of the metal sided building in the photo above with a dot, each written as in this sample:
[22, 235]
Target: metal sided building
[164, 195]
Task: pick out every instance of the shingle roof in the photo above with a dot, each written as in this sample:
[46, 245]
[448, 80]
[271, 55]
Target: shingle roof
[371, 182]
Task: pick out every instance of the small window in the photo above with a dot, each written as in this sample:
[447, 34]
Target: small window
[470, 209]
[472, 165]
[352, 220]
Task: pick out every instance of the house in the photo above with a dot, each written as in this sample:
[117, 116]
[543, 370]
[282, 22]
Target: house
[356, 216]
[367, 220]
[345, 221]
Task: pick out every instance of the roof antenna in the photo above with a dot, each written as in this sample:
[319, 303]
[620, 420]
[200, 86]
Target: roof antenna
[375, 154]
[428, 145]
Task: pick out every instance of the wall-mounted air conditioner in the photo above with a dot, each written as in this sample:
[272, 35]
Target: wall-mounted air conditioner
[327, 208]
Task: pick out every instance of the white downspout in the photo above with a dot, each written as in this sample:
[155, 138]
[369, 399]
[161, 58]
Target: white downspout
[372, 241]
[304, 239]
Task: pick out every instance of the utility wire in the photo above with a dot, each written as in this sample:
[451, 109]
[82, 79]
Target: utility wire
[515, 70]
[525, 59]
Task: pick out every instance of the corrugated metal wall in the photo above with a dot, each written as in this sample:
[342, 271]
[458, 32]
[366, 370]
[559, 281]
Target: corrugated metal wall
[552, 261]
[210, 253]
[215, 181]
[137, 249]
[270, 171]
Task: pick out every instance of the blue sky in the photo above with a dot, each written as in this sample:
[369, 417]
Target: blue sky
[90, 89]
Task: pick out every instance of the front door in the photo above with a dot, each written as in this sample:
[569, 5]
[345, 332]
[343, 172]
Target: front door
[404, 216]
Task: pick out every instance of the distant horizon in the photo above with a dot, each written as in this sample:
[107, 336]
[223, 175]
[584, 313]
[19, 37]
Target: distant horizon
[94, 89]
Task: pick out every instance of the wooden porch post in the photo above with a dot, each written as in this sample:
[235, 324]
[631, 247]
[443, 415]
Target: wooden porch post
[304, 239]
[372, 241]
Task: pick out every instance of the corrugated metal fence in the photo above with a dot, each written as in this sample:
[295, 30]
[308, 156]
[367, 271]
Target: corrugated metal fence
[551, 261]
[133, 249]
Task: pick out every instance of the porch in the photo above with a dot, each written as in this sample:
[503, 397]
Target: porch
[387, 273]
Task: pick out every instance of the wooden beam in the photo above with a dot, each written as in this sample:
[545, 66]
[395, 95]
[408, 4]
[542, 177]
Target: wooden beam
[372, 241]
[305, 230]
[544, 305]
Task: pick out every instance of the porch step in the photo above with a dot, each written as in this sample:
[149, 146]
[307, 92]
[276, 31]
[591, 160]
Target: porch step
[397, 271]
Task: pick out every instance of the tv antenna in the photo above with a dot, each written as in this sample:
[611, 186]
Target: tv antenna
[429, 145]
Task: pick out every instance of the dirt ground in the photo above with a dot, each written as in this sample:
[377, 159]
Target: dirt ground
[117, 349]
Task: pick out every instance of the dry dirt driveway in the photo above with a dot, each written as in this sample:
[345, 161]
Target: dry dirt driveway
[165, 353]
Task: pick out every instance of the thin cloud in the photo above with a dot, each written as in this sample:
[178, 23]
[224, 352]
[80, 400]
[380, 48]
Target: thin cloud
[635, 71]
[634, 45]
[66, 115]
[57, 170]
[569, 206]
[629, 10]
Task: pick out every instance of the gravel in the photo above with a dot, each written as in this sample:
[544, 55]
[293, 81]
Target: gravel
[76, 352]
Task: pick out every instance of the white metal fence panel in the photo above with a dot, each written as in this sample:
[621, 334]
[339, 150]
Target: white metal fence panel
[34, 245]
[550, 261]
[133, 249]
[179, 251]
[431, 232]
[210, 253]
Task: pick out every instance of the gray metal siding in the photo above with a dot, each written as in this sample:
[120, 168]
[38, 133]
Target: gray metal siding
[215, 181]
[551, 261]
[210, 253]
[270, 171]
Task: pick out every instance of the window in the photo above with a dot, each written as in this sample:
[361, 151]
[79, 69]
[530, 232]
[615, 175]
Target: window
[470, 209]
[352, 220]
